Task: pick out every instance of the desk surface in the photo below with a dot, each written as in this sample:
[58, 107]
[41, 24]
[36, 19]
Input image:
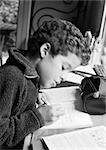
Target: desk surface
[97, 120]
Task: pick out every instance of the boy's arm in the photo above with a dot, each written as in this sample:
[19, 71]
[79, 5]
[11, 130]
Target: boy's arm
[14, 128]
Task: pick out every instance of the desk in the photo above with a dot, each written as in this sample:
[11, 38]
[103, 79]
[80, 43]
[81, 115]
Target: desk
[97, 120]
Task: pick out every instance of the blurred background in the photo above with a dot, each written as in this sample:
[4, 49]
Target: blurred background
[8, 26]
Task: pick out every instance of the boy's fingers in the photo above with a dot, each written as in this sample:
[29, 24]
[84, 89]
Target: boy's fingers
[96, 94]
[41, 98]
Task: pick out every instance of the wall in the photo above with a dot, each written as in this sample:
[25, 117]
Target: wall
[85, 14]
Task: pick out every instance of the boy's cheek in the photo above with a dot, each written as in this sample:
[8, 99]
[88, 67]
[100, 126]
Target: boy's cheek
[48, 84]
[44, 84]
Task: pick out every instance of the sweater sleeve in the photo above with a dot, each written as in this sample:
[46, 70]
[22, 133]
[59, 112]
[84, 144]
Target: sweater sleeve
[14, 128]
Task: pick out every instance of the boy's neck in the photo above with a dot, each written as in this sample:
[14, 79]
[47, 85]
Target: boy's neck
[33, 61]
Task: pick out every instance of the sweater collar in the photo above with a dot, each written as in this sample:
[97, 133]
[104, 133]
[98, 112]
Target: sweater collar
[28, 69]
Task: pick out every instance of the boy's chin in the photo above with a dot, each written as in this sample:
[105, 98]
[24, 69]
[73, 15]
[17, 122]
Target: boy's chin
[45, 86]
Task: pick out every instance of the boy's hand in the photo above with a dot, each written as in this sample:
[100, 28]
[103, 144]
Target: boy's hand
[96, 94]
[50, 113]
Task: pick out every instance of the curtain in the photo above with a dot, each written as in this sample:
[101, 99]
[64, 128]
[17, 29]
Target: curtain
[90, 15]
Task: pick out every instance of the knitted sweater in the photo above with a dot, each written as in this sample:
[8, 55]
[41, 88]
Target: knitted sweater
[18, 95]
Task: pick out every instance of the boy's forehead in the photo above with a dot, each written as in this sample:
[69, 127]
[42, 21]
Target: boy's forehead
[72, 59]
[69, 58]
[72, 56]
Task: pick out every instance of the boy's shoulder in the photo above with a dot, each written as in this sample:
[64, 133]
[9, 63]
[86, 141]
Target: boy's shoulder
[9, 68]
[11, 71]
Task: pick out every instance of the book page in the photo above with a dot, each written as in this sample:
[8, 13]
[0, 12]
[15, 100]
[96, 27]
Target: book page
[72, 77]
[72, 118]
[85, 139]
[62, 94]
[87, 69]
[77, 78]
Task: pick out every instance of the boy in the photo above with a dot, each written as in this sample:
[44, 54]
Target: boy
[57, 45]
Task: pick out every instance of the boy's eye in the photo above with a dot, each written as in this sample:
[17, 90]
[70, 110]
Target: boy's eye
[63, 68]
[66, 66]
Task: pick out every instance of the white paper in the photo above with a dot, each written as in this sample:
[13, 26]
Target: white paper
[72, 118]
[72, 77]
[75, 78]
[86, 69]
[85, 139]
[62, 94]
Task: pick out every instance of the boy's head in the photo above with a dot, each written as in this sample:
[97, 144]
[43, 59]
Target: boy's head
[63, 36]
[59, 45]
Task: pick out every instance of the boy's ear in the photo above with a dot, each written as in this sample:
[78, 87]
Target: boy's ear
[45, 49]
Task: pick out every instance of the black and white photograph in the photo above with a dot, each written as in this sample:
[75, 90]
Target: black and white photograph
[52, 74]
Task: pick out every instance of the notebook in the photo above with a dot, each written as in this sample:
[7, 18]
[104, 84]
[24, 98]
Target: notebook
[93, 138]
[77, 75]
[72, 118]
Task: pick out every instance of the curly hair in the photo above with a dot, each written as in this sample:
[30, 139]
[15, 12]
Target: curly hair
[63, 36]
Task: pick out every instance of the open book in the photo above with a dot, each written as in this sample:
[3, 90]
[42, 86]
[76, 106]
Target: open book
[85, 139]
[75, 77]
[72, 119]
[87, 69]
